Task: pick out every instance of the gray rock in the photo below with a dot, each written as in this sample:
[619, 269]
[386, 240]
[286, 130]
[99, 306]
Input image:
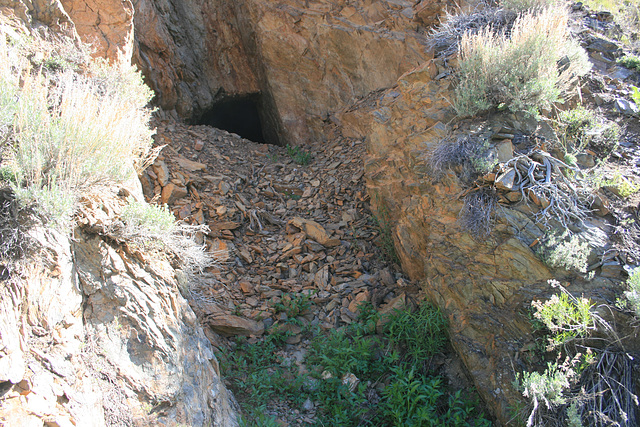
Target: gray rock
[308, 405]
[628, 108]
[585, 160]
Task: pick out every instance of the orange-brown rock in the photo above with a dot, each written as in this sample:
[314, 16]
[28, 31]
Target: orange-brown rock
[47, 12]
[484, 286]
[304, 59]
[299, 61]
[106, 25]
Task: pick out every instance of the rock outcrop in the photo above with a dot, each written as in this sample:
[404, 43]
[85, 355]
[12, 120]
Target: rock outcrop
[302, 60]
[297, 61]
[485, 286]
[106, 26]
[95, 335]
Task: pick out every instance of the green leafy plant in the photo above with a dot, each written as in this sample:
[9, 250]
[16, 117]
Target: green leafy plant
[592, 383]
[420, 334]
[293, 304]
[631, 62]
[579, 128]
[520, 71]
[411, 400]
[341, 353]
[383, 220]
[566, 316]
[547, 388]
[635, 95]
[298, 155]
[633, 294]
[347, 368]
[257, 375]
[618, 184]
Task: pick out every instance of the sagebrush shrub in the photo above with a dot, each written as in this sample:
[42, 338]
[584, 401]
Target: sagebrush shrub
[154, 226]
[529, 69]
[69, 127]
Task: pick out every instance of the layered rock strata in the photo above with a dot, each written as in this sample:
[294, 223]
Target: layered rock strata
[485, 286]
[96, 335]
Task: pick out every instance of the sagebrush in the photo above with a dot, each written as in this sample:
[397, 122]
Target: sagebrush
[532, 67]
[69, 122]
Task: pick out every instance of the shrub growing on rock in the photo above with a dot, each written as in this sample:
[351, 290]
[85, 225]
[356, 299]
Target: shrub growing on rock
[532, 67]
[68, 126]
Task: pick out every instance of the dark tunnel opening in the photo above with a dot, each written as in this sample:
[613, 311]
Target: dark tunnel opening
[239, 115]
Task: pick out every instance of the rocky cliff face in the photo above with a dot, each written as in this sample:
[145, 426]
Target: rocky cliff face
[298, 61]
[92, 331]
[484, 285]
[95, 334]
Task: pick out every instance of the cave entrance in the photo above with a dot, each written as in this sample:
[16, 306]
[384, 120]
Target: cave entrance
[242, 115]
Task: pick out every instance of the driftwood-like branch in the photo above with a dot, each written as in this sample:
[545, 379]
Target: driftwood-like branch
[544, 180]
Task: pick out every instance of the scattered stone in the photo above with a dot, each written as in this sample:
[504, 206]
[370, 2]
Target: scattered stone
[626, 107]
[314, 231]
[161, 171]
[229, 325]
[308, 405]
[504, 150]
[351, 381]
[190, 165]
[507, 181]
[172, 192]
[586, 160]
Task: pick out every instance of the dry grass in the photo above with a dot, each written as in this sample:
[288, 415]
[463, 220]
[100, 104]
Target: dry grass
[520, 6]
[477, 213]
[154, 227]
[446, 37]
[533, 66]
[68, 126]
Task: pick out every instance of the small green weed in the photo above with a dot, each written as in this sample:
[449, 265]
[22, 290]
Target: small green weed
[633, 294]
[580, 128]
[420, 334]
[293, 304]
[631, 62]
[7, 174]
[547, 387]
[566, 316]
[410, 399]
[341, 353]
[257, 374]
[635, 95]
[347, 370]
[383, 220]
[298, 155]
[620, 185]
